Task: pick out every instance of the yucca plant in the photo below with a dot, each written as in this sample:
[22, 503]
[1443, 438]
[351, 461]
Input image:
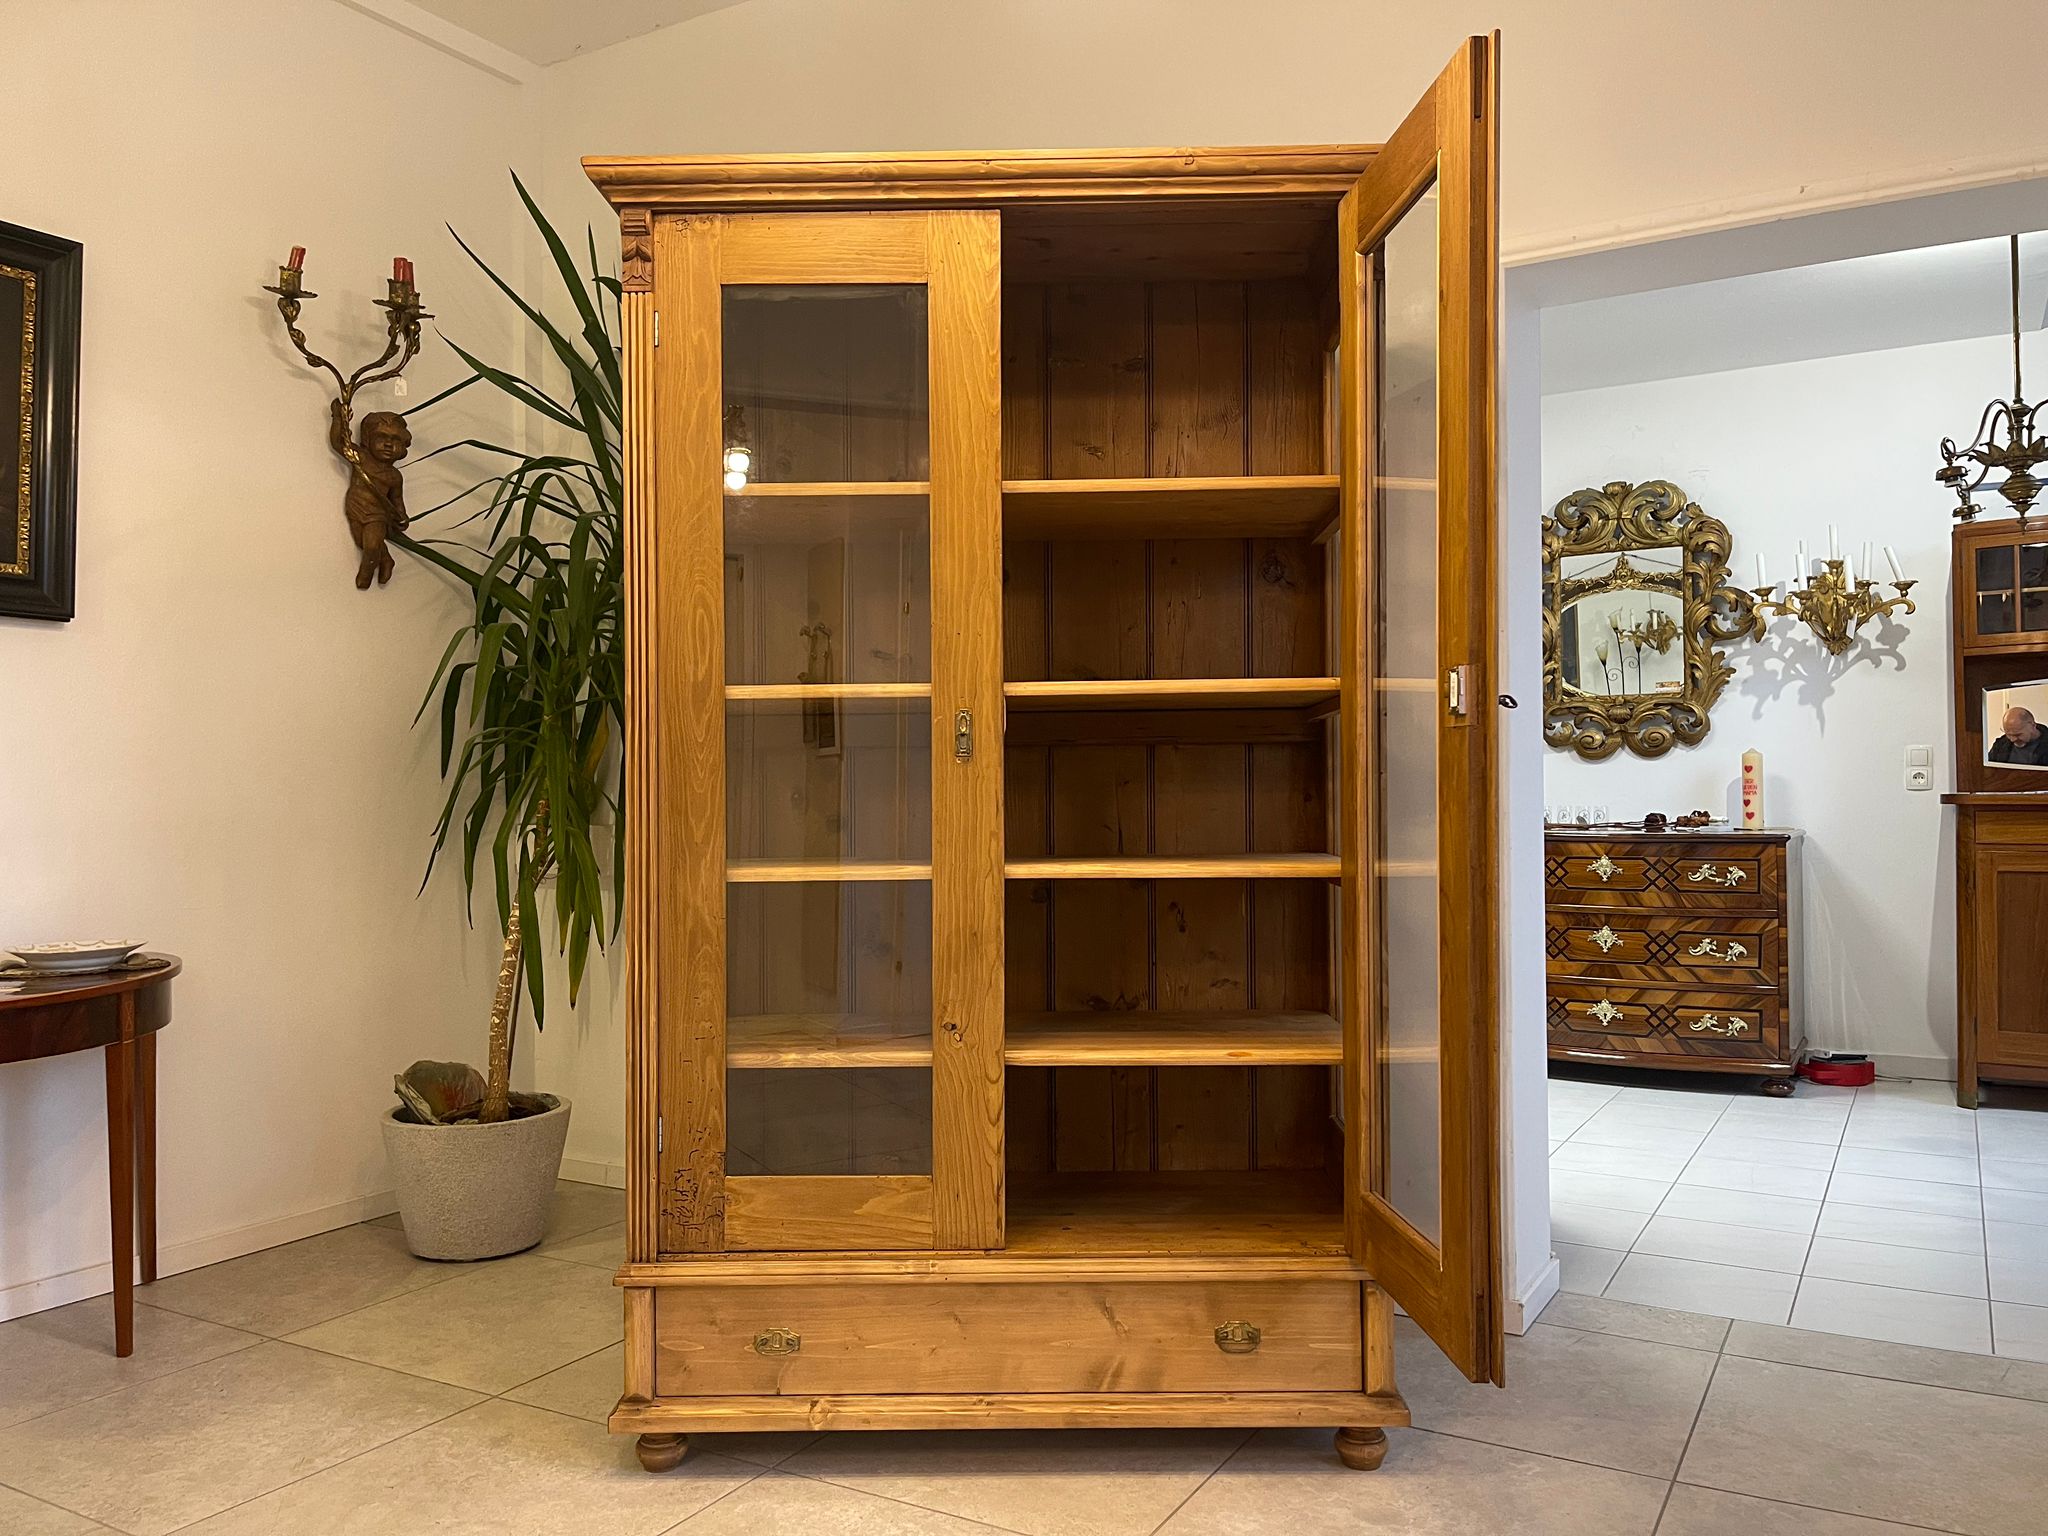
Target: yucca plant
[531, 687]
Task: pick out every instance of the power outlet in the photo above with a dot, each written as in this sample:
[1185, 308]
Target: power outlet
[1919, 767]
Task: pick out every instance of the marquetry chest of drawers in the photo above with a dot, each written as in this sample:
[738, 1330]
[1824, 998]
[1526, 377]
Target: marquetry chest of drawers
[1675, 949]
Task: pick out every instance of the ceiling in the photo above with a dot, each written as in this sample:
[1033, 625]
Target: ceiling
[549, 31]
[1835, 309]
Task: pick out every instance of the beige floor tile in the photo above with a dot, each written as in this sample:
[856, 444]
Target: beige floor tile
[21, 1515]
[1585, 1271]
[584, 1389]
[1631, 1320]
[603, 1249]
[281, 1290]
[496, 1469]
[1615, 1402]
[775, 1503]
[581, 1208]
[1290, 1483]
[498, 1325]
[198, 1441]
[1895, 1362]
[1705, 1512]
[50, 1360]
[1037, 1482]
[1956, 1461]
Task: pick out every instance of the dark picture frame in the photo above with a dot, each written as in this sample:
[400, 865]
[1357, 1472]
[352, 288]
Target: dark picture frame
[41, 277]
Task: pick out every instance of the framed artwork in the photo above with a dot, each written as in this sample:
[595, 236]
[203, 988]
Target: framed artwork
[39, 312]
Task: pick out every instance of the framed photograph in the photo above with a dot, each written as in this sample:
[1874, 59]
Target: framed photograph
[39, 312]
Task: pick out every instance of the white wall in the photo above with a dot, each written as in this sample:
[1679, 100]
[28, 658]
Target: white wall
[216, 754]
[1777, 453]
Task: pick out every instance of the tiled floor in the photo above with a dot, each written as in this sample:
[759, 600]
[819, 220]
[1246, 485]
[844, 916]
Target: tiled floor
[1883, 1212]
[339, 1387]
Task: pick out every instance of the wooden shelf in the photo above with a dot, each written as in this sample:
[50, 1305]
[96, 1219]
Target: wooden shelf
[778, 871]
[833, 489]
[874, 697]
[1173, 693]
[828, 1040]
[1229, 866]
[1186, 507]
[1106, 1039]
[865, 511]
[1089, 1214]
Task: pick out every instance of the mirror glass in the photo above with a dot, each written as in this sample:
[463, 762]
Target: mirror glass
[2016, 725]
[1621, 624]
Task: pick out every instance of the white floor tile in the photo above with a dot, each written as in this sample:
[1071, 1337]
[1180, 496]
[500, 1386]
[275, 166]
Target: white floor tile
[2012, 1173]
[2026, 1205]
[1930, 1141]
[1743, 1147]
[1762, 1178]
[1585, 1270]
[1593, 1226]
[1629, 1162]
[1905, 1194]
[1614, 1191]
[1906, 1229]
[2023, 1279]
[1672, 1141]
[1907, 1165]
[1898, 1316]
[1714, 1242]
[1719, 1290]
[1795, 1108]
[1673, 1111]
[1915, 1269]
[2020, 1332]
[2013, 1133]
[2016, 1240]
[1916, 1090]
[1816, 1130]
[1566, 1090]
[1742, 1208]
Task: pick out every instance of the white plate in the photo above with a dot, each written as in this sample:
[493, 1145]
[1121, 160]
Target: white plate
[76, 958]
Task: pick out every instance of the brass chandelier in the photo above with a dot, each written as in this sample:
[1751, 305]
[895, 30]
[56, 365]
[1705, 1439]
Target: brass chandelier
[2006, 439]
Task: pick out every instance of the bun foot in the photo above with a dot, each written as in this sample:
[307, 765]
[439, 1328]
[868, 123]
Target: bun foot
[1362, 1450]
[658, 1453]
[1777, 1087]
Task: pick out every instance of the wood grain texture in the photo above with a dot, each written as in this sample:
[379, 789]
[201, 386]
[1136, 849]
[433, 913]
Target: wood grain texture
[842, 871]
[1210, 1214]
[847, 1213]
[840, 247]
[828, 1040]
[1243, 866]
[1092, 1337]
[1215, 1038]
[1031, 1410]
[1172, 693]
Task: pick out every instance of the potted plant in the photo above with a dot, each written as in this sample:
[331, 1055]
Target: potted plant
[531, 697]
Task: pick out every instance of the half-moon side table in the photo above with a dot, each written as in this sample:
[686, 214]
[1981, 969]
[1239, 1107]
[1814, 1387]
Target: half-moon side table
[119, 1011]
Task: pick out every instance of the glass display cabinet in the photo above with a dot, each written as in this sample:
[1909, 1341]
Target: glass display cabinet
[1062, 903]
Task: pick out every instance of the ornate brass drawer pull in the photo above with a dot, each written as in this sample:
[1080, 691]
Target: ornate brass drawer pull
[1712, 949]
[777, 1341]
[1604, 867]
[1236, 1337]
[1713, 874]
[1606, 938]
[1605, 1012]
[1708, 1024]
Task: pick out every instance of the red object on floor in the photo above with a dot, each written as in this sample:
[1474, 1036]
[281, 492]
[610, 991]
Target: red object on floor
[1840, 1074]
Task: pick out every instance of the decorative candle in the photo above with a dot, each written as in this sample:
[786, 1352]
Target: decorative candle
[1752, 788]
[1799, 571]
[1864, 564]
[1892, 560]
[1848, 575]
[1762, 580]
[1834, 544]
[298, 259]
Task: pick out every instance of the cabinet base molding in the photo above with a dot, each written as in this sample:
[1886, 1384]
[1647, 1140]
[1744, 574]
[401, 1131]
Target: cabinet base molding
[1359, 1411]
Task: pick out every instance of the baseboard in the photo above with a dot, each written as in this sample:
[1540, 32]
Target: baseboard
[585, 1170]
[1524, 1309]
[194, 1253]
[1935, 1069]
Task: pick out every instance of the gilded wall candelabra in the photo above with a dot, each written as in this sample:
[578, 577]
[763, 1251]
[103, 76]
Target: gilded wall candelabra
[1833, 604]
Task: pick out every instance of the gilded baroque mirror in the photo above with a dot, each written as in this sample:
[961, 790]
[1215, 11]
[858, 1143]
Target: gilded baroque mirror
[1635, 596]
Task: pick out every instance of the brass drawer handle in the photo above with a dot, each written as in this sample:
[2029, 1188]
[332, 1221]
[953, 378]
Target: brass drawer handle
[1713, 874]
[1605, 1012]
[1604, 867]
[777, 1341]
[1709, 1024]
[1712, 949]
[1607, 938]
[1236, 1337]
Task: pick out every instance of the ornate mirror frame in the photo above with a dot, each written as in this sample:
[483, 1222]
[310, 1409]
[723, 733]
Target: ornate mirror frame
[1618, 518]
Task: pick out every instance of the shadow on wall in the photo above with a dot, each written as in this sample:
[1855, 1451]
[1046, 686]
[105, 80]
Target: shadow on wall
[1792, 660]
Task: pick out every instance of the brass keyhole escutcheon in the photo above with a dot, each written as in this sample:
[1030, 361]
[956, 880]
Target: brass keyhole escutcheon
[1236, 1337]
[777, 1341]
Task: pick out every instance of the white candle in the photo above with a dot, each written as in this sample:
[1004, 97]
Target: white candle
[1799, 565]
[1892, 560]
[1761, 580]
[1848, 574]
[1865, 561]
[1834, 544]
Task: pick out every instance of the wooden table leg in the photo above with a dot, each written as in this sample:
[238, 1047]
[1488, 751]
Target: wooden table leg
[145, 1154]
[121, 1186]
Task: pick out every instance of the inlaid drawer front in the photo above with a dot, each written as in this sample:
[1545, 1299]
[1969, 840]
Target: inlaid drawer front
[1659, 875]
[1663, 1022]
[1297, 1336]
[1707, 945]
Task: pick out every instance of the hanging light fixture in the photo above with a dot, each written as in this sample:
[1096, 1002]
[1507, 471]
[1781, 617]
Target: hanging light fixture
[2006, 440]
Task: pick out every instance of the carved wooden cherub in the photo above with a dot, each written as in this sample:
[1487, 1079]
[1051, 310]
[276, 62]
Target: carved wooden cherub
[375, 503]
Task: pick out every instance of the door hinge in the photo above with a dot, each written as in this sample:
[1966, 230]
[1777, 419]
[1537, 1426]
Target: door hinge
[1457, 684]
[660, 1136]
[657, 327]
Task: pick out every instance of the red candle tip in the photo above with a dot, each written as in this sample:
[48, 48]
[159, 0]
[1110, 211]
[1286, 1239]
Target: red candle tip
[298, 259]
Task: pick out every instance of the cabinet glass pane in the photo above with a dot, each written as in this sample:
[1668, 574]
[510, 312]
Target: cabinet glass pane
[827, 382]
[829, 781]
[1995, 606]
[811, 1120]
[1404, 513]
[2034, 586]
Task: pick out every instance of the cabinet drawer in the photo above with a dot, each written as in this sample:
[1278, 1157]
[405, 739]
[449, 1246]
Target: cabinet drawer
[1589, 1015]
[1594, 873]
[1708, 947]
[1036, 1337]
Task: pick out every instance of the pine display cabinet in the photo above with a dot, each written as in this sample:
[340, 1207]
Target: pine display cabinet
[1062, 914]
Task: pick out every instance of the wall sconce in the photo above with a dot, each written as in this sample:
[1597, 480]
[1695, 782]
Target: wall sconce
[739, 454]
[1832, 602]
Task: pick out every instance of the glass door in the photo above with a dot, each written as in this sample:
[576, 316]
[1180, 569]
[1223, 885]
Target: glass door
[829, 505]
[1420, 889]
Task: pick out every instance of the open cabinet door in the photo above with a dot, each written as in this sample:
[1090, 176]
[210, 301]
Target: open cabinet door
[1420, 886]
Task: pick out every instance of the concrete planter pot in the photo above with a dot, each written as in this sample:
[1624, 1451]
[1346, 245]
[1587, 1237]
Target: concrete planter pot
[476, 1191]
